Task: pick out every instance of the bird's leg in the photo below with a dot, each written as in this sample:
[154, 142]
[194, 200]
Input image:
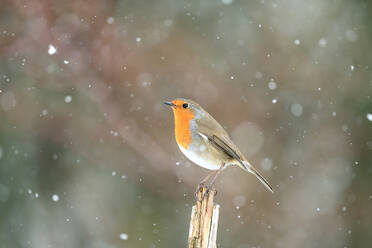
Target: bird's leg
[206, 178]
[202, 183]
[216, 175]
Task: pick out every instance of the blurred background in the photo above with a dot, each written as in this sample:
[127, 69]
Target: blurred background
[87, 150]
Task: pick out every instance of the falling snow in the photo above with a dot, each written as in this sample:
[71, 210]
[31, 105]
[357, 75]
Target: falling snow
[168, 22]
[123, 236]
[68, 99]
[51, 49]
[110, 20]
[84, 131]
[227, 2]
[44, 112]
[296, 109]
[55, 198]
[266, 164]
[322, 42]
[272, 84]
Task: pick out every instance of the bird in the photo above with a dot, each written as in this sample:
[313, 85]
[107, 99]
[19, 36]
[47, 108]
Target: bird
[205, 142]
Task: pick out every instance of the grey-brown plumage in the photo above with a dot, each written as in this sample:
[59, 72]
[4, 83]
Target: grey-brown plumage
[211, 146]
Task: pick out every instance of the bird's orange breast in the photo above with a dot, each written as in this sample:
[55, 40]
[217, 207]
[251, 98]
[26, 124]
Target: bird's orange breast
[182, 121]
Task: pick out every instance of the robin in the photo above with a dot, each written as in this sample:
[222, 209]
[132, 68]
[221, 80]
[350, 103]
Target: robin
[205, 142]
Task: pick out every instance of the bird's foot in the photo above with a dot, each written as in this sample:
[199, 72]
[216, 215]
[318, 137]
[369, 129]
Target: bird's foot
[208, 188]
[199, 188]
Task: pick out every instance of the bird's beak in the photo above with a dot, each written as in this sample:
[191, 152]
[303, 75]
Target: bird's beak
[170, 104]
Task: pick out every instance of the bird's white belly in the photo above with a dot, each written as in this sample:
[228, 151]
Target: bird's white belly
[194, 157]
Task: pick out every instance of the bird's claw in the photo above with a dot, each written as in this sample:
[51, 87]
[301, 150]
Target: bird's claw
[200, 188]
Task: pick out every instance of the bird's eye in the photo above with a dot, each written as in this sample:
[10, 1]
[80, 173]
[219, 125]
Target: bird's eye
[185, 105]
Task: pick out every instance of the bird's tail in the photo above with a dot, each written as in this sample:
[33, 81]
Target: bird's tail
[251, 169]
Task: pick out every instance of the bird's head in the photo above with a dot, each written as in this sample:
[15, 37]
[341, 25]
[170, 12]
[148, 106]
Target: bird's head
[184, 108]
[184, 112]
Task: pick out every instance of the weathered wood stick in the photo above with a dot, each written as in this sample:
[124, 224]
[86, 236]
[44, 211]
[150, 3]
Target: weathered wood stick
[204, 220]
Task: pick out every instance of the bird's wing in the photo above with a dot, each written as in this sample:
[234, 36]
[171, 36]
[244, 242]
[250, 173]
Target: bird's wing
[223, 143]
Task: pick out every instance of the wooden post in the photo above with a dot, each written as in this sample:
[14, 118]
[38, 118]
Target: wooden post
[204, 220]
